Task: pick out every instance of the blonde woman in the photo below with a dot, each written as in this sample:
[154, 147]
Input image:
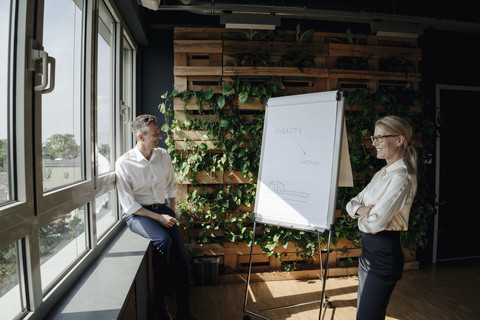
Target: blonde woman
[382, 210]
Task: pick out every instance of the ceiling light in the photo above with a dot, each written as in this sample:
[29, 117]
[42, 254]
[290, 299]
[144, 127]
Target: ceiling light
[392, 29]
[250, 21]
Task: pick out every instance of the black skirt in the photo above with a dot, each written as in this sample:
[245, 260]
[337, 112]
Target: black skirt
[380, 267]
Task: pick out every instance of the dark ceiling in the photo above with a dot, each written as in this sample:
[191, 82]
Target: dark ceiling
[454, 16]
[460, 10]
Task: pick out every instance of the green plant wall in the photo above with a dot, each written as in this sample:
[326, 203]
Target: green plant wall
[235, 144]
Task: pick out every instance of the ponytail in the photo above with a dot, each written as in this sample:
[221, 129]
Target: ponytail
[410, 157]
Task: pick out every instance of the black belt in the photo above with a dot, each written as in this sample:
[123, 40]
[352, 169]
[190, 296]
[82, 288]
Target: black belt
[155, 206]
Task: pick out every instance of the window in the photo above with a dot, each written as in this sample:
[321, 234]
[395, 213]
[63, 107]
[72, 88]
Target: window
[105, 212]
[106, 84]
[62, 123]
[127, 94]
[57, 191]
[5, 177]
[62, 242]
[11, 299]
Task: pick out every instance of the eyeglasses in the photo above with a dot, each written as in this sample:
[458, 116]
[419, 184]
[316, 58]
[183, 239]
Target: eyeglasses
[379, 139]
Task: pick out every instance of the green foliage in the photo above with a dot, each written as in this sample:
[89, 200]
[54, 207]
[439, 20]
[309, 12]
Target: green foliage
[297, 57]
[303, 36]
[3, 155]
[59, 233]
[251, 35]
[252, 59]
[348, 40]
[396, 64]
[238, 142]
[62, 146]
[8, 268]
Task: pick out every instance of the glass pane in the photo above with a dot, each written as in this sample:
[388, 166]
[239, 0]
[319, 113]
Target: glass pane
[5, 188]
[106, 76]
[127, 95]
[61, 109]
[105, 212]
[61, 242]
[10, 293]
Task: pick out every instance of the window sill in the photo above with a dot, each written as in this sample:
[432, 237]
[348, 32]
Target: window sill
[102, 291]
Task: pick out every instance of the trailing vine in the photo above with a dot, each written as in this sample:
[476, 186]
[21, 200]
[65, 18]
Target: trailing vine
[232, 143]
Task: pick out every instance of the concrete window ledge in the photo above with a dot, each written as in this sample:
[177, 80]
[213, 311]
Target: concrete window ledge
[115, 286]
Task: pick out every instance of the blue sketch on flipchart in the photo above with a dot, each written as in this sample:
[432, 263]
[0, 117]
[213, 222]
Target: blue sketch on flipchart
[278, 189]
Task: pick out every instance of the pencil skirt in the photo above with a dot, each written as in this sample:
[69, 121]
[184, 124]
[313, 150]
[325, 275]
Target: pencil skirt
[380, 267]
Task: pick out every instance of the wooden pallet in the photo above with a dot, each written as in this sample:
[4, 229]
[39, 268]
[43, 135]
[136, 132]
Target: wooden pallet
[204, 56]
[202, 59]
[234, 258]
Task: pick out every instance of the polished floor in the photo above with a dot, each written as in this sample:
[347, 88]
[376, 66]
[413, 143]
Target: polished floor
[442, 291]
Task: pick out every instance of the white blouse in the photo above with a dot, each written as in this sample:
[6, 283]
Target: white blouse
[144, 182]
[391, 191]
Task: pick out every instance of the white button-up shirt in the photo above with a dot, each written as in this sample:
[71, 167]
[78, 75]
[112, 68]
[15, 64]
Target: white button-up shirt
[144, 182]
[391, 191]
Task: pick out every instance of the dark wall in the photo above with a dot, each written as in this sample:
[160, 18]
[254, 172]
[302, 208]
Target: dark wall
[449, 58]
[156, 73]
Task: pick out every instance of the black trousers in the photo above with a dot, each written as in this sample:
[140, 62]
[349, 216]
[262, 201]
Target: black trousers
[380, 267]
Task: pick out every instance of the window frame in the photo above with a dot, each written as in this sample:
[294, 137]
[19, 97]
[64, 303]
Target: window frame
[31, 208]
[15, 214]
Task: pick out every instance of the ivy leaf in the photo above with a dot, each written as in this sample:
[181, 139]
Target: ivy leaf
[209, 94]
[226, 89]
[165, 127]
[270, 247]
[276, 237]
[224, 124]
[221, 102]
[162, 107]
[243, 97]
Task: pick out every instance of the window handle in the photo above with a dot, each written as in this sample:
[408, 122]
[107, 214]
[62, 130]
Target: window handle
[46, 61]
[51, 63]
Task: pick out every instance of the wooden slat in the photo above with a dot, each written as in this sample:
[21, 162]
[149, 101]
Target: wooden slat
[373, 52]
[197, 46]
[275, 71]
[232, 47]
[184, 71]
[373, 75]
[254, 105]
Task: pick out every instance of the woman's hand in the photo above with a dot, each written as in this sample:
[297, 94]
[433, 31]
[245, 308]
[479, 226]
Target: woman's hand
[364, 211]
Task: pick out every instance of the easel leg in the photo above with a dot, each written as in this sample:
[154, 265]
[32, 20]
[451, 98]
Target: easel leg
[249, 272]
[324, 300]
